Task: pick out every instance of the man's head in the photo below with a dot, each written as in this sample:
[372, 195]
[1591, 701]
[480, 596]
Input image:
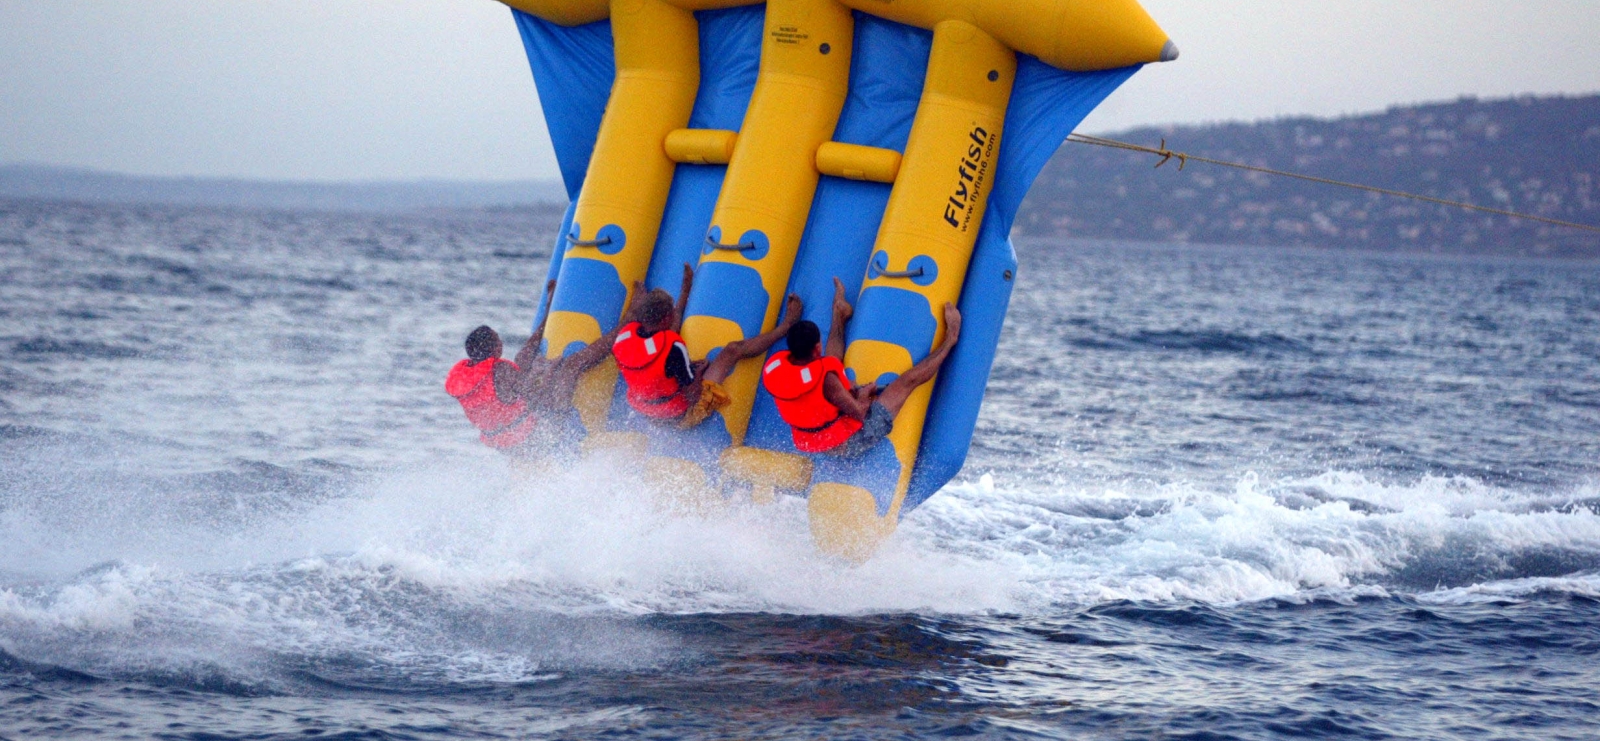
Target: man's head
[657, 312]
[803, 338]
[483, 344]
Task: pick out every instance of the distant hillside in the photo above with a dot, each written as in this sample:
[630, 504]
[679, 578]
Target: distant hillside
[1536, 155]
[1530, 154]
[93, 186]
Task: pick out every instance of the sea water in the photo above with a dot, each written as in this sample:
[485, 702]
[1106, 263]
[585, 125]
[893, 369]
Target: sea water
[1215, 493]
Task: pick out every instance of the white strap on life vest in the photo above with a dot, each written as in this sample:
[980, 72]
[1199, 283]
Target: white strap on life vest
[650, 345]
[805, 374]
[622, 337]
[772, 366]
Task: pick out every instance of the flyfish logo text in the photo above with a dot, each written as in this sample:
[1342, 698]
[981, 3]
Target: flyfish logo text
[971, 176]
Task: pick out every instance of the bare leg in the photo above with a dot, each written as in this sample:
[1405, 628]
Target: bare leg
[722, 367]
[842, 311]
[895, 394]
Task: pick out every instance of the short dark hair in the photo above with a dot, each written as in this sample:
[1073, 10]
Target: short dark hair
[656, 307]
[481, 344]
[803, 338]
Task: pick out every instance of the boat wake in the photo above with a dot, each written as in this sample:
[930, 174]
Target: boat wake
[465, 574]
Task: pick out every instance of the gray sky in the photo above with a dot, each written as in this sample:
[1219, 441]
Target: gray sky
[356, 89]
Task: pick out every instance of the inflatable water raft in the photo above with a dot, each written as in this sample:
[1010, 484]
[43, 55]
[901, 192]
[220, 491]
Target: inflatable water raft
[777, 145]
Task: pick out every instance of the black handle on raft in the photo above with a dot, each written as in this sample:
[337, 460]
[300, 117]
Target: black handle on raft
[741, 247]
[900, 273]
[575, 242]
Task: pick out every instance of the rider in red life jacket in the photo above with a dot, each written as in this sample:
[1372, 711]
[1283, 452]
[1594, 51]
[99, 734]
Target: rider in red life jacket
[825, 414]
[504, 399]
[663, 383]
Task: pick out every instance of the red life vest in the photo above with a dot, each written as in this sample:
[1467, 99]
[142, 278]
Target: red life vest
[503, 425]
[817, 425]
[643, 362]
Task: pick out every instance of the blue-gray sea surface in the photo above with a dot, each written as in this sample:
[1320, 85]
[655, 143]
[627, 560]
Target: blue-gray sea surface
[1214, 494]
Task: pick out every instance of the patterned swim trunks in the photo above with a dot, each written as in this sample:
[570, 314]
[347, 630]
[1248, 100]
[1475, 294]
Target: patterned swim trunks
[712, 399]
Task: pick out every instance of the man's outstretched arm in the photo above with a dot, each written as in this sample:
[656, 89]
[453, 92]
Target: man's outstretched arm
[635, 297]
[596, 351]
[530, 349]
[511, 383]
[683, 295]
[834, 391]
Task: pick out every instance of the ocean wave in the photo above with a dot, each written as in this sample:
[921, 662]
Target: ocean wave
[73, 348]
[587, 540]
[455, 578]
[1200, 340]
[1338, 531]
[1582, 586]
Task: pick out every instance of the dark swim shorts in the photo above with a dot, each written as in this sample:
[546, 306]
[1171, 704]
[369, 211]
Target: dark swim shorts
[873, 430]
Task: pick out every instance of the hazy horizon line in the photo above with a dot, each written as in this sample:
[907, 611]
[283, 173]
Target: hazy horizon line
[24, 165]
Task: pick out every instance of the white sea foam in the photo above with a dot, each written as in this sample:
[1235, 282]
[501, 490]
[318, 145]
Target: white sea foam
[537, 571]
[1247, 544]
[1516, 590]
[590, 537]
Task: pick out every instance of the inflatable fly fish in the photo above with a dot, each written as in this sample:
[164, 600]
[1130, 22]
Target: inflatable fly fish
[778, 145]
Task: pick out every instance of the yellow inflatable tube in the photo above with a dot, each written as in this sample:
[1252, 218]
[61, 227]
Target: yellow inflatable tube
[579, 12]
[766, 197]
[924, 246]
[625, 191]
[1078, 35]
